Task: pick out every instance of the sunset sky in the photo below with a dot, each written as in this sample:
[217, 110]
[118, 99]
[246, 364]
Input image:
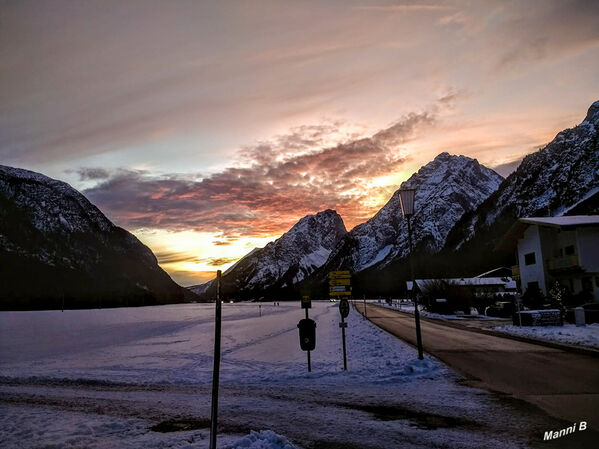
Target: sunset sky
[209, 128]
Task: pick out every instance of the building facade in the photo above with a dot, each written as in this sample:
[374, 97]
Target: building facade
[558, 249]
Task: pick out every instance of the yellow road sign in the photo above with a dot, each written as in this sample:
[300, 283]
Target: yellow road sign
[306, 302]
[340, 281]
[339, 276]
[339, 293]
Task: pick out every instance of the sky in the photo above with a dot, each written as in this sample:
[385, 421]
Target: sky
[210, 128]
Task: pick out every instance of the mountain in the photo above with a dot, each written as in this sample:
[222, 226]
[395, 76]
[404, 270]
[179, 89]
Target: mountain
[562, 178]
[55, 245]
[284, 262]
[446, 188]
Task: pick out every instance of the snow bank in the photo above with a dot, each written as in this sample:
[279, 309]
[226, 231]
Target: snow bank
[264, 439]
[568, 333]
[460, 317]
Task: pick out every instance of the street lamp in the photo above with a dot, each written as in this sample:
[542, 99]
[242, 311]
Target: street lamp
[406, 199]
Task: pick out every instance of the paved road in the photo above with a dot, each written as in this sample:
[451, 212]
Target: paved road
[563, 384]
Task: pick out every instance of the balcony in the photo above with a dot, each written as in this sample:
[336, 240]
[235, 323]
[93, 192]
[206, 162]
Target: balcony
[564, 264]
[516, 272]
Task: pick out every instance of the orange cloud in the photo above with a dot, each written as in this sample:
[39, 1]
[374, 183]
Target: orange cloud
[278, 182]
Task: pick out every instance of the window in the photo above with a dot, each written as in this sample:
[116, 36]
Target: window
[569, 250]
[530, 259]
[533, 286]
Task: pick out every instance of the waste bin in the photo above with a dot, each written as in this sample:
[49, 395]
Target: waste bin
[307, 334]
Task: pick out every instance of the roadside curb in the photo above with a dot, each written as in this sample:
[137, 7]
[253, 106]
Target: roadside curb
[550, 344]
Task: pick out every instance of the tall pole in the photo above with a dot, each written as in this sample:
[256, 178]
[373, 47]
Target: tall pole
[216, 370]
[309, 362]
[343, 337]
[414, 295]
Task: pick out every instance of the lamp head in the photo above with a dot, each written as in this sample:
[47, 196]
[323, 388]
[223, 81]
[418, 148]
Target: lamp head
[406, 199]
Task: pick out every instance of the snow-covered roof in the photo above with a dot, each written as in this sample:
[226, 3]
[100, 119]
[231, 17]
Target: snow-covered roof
[505, 281]
[497, 270]
[559, 222]
[510, 239]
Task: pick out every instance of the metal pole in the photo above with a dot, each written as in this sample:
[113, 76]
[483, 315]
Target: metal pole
[365, 314]
[414, 295]
[344, 353]
[216, 370]
[309, 363]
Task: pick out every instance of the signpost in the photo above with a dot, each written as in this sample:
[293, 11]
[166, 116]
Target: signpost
[306, 304]
[340, 285]
[339, 282]
[344, 311]
[216, 371]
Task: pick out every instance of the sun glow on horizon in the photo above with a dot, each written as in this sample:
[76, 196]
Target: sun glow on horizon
[192, 257]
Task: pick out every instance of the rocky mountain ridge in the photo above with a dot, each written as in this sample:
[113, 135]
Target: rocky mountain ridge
[56, 247]
[285, 261]
[552, 181]
[446, 188]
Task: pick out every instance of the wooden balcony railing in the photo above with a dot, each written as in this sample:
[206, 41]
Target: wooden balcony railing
[565, 263]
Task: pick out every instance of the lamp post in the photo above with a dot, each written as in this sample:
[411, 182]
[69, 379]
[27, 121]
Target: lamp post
[406, 199]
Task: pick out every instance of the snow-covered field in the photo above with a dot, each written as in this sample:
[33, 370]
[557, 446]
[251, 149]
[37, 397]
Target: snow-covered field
[103, 378]
[568, 333]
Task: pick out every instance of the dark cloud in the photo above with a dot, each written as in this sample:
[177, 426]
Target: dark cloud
[170, 257]
[396, 134]
[165, 257]
[220, 261]
[222, 242]
[280, 181]
[92, 174]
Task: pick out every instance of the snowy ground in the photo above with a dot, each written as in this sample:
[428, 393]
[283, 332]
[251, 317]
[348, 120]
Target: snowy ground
[104, 378]
[568, 333]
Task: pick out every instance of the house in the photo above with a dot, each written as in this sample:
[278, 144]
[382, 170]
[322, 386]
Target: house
[480, 286]
[557, 249]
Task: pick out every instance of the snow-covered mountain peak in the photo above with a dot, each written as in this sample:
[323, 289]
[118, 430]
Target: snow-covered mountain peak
[449, 169]
[446, 188]
[328, 223]
[593, 113]
[53, 205]
[290, 258]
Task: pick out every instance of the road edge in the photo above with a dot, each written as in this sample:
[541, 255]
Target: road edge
[550, 344]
